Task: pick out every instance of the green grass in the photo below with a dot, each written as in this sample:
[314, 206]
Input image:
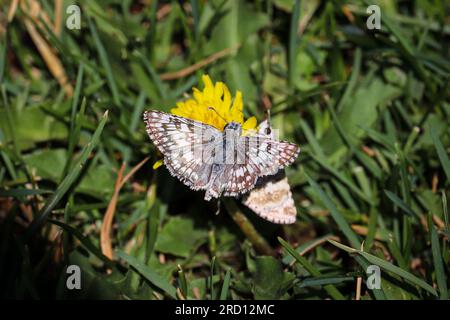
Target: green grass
[369, 109]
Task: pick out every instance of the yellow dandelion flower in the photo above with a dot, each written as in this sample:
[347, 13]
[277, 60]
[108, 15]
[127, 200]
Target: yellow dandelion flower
[214, 106]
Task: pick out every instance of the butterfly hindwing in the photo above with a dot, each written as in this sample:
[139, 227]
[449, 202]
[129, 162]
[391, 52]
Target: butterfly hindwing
[272, 199]
[240, 178]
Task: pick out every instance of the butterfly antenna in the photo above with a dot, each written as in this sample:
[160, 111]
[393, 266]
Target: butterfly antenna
[211, 108]
[268, 117]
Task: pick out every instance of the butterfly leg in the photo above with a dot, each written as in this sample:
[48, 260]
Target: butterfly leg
[218, 207]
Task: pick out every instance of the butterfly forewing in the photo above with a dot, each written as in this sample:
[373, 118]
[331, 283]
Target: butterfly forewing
[185, 145]
[266, 156]
[272, 199]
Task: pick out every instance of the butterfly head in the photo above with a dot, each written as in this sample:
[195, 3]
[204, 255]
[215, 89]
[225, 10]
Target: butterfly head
[234, 126]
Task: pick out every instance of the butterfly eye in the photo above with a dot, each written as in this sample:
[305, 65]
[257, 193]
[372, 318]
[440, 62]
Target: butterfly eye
[268, 130]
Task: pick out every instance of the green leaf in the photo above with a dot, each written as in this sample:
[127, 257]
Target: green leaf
[269, 279]
[180, 237]
[32, 125]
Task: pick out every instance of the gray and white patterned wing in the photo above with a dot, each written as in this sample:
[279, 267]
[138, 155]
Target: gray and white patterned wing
[266, 155]
[259, 155]
[270, 155]
[186, 145]
[271, 198]
[238, 179]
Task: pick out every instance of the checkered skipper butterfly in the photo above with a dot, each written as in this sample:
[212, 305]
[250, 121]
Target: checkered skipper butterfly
[271, 198]
[221, 163]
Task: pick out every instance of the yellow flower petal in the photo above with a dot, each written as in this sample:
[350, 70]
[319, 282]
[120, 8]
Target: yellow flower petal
[249, 124]
[236, 109]
[217, 97]
[199, 96]
[158, 164]
[207, 81]
[218, 90]
[226, 96]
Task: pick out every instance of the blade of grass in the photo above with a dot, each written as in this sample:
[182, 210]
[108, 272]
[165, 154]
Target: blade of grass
[68, 180]
[307, 246]
[332, 290]
[445, 210]
[84, 241]
[149, 274]
[388, 267]
[312, 141]
[9, 165]
[67, 212]
[182, 281]
[342, 178]
[211, 282]
[356, 68]
[338, 218]
[293, 45]
[75, 126]
[151, 36]
[345, 194]
[445, 162]
[104, 62]
[3, 46]
[136, 116]
[10, 121]
[153, 206]
[17, 193]
[372, 227]
[368, 162]
[379, 294]
[406, 47]
[155, 77]
[400, 203]
[74, 135]
[196, 16]
[225, 286]
[322, 281]
[439, 270]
